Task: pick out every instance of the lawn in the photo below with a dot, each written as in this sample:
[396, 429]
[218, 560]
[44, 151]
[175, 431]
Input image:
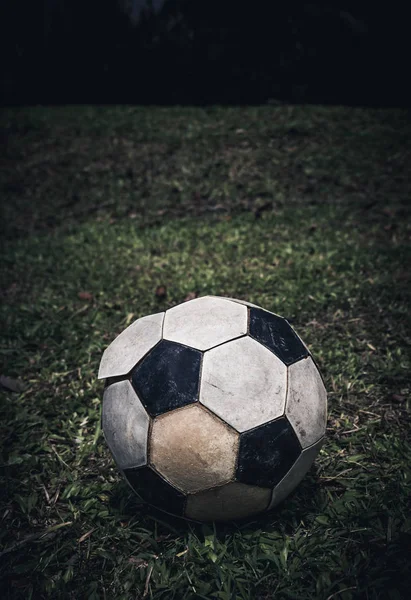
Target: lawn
[303, 210]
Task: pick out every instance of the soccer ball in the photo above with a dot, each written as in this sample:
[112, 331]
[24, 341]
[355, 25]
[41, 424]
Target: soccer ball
[213, 409]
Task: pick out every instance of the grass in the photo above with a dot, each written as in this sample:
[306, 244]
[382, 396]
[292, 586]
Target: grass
[303, 210]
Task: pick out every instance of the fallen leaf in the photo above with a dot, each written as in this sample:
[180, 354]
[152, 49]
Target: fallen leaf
[190, 296]
[398, 398]
[129, 318]
[13, 385]
[161, 292]
[85, 536]
[137, 562]
[85, 296]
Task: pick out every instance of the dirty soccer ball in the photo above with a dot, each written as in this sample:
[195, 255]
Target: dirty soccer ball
[213, 409]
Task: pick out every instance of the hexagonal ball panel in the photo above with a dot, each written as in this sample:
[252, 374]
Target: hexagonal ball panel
[130, 346]
[125, 425]
[243, 383]
[155, 490]
[205, 322]
[277, 335]
[193, 449]
[294, 476]
[168, 377]
[267, 453]
[231, 501]
[306, 406]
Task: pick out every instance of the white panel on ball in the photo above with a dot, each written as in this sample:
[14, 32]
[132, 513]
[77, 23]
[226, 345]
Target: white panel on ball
[290, 481]
[306, 406]
[243, 383]
[131, 345]
[205, 322]
[193, 449]
[125, 425]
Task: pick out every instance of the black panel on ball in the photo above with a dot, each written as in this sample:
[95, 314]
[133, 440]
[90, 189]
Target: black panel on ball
[267, 453]
[154, 490]
[277, 335]
[168, 377]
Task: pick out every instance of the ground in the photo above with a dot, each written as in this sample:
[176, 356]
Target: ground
[112, 213]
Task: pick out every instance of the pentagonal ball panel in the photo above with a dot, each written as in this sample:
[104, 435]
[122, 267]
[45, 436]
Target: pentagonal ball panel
[130, 346]
[205, 322]
[155, 490]
[277, 335]
[306, 406]
[168, 377]
[296, 474]
[267, 453]
[193, 449]
[125, 425]
[243, 383]
[231, 501]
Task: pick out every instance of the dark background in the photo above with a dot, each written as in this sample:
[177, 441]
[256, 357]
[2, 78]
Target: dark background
[204, 51]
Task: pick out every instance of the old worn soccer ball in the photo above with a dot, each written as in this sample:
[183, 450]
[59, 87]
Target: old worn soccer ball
[213, 409]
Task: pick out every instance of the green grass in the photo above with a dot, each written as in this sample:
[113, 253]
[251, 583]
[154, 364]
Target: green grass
[303, 210]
